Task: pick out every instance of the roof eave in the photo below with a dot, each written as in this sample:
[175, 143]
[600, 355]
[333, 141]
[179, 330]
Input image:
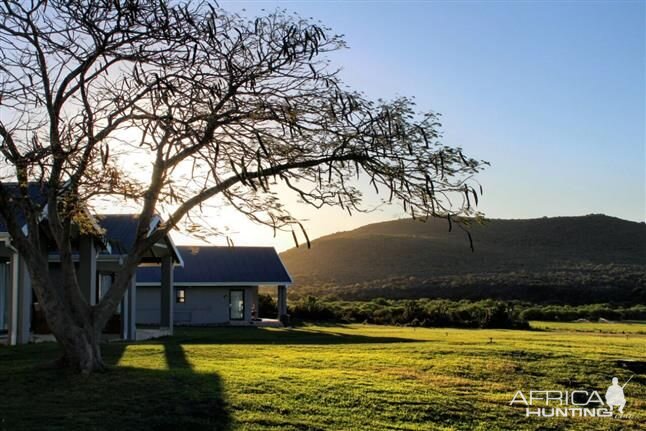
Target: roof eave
[216, 284]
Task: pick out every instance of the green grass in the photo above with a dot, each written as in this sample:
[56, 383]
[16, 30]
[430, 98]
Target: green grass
[354, 377]
[603, 328]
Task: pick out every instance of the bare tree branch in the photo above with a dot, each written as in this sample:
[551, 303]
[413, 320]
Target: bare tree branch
[175, 105]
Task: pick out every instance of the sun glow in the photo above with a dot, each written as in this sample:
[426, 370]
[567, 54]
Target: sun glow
[226, 224]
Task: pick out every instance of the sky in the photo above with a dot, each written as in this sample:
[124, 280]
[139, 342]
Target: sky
[551, 93]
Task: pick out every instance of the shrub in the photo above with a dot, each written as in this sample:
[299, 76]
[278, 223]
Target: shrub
[267, 306]
[442, 312]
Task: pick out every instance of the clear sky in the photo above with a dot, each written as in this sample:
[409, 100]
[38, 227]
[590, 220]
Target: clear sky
[552, 93]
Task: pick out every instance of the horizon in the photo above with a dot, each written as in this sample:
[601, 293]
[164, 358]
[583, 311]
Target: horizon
[330, 215]
[559, 114]
[187, 241]
[552, 94]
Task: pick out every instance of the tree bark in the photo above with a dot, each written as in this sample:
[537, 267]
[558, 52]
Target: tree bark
[76, 324]
[76, 331]
[80, 341]
[81, 350]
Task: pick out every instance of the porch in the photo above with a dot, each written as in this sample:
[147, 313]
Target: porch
[97, 260]
[261, 323]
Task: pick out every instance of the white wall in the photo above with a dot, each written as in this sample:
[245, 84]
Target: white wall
[203, 305]
[3, 295]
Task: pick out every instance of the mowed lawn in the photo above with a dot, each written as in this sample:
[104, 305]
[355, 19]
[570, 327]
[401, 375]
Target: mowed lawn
[354, 377]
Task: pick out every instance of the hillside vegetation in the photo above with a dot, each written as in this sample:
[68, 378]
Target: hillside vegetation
[584, 259]
[485, 313]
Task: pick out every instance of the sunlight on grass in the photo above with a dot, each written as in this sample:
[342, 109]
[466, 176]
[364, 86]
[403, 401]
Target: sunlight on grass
[403, 378]
[612, 328]
[147, 356]
[350, 377]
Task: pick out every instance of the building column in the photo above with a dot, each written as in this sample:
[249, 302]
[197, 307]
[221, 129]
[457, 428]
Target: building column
[123, 307]
[132, 308]
[167, 294]
[282, 301]
[128, 312]
[6, 253]
[12, 299]
[4, 287]
[23, 318]
[254, 302]
[87, 269]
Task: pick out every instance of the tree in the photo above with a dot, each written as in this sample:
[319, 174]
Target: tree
[221, 106]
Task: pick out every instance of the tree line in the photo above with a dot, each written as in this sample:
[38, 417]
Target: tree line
[446, 313]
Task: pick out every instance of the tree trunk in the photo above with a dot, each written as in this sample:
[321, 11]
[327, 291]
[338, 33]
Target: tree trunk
[75, 330]
[81, 343]
[76, 323]
[81, 350]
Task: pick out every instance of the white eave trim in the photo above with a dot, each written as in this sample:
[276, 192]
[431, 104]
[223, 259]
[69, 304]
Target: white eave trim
[41, 217]
[5, 238]
[215, 284]
[180, 259]
[101, 258]
[154, 222]
[92, 218]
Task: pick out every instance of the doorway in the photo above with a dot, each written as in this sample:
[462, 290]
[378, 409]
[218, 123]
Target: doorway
[236, 304]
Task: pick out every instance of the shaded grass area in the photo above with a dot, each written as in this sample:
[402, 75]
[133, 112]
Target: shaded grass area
[352, 377]
[169, 396]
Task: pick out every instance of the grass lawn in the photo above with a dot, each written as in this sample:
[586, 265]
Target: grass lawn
[354, 377]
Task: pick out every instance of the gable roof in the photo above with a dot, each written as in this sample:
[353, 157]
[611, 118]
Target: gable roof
[120, 229]
[223, 266]
[121, 232]
[37, 193]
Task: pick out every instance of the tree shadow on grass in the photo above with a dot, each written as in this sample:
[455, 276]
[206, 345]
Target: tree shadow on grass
[156, 393]
[124, 398]
[285, 336]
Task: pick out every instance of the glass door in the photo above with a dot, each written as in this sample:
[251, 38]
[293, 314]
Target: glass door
[236, 304]
[104, 282]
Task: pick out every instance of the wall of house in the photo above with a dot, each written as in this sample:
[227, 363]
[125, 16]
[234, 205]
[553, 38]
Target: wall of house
[148, 303]
[4, 291]
[202, 306]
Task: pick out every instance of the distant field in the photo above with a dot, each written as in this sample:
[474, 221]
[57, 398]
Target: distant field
[612, 328]
[354, 377]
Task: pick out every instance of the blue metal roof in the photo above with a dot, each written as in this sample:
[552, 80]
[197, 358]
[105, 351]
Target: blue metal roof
[222, 266]
[120, 230]
[37, 193]
[121, 233]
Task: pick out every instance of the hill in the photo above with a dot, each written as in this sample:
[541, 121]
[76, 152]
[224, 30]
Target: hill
[592, 258]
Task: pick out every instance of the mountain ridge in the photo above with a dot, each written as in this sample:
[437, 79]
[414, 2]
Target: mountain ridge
[514, 258]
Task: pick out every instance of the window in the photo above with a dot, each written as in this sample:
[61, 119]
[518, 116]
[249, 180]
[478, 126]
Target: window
[103, 283]
[181, 296]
